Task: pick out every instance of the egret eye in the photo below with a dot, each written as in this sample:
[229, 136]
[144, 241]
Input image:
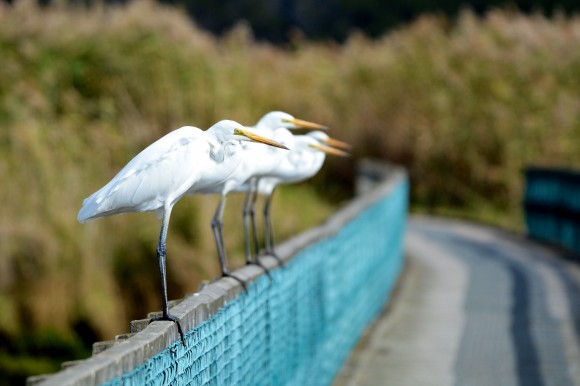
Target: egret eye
[238, 132]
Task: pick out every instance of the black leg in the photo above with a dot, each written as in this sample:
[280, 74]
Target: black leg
[253, 217]
[267, 224]
[243, 283]
[246, 217]
[161, 257]
[250, 220]
[216, 224]
[269, 230]
[217, 227]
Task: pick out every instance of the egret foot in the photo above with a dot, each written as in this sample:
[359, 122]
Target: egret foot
[173, 319]
[273, 254]
[243, 283]
[259, 264]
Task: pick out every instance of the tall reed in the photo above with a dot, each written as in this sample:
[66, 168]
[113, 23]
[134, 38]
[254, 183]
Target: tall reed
[463, 106]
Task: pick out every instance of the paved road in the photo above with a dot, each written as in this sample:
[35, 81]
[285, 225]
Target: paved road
[477, 306]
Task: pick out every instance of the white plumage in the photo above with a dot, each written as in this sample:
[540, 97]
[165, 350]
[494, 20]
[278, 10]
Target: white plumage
[305, 159]
[185, 161]
[158, 176]
[275, 125]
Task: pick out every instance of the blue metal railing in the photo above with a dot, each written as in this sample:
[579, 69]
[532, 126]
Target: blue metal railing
[552, 206]
[297, 329]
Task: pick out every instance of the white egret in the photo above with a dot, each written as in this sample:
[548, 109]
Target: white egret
[256, 161]
[279, 119]
[185, 161]
[275, 125]
[304, 160]
[324, 139]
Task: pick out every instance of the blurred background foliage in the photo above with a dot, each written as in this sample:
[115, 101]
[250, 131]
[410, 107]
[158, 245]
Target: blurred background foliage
[279, 20]
[464, 103]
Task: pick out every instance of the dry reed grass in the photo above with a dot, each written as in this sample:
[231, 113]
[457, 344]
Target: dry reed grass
[465, 107]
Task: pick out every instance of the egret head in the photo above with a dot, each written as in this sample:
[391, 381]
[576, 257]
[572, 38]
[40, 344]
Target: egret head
[329, 150]
[324, 139]
[307, 143]
[278, 119]
[227, 130]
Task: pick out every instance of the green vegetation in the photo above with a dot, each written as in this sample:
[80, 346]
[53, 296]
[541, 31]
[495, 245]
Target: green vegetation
[465, 107]
[39, 351]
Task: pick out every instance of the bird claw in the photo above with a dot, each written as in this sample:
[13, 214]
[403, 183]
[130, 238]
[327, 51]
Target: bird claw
[243, 283]
[171, 318]
[273, 254]
[259, 264]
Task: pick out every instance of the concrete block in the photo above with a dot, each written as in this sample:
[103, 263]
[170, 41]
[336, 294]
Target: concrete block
[155, 314]
[138, 325]
[99, 347]
[174, 302]
[67, 364]
[122, 337]
[37, 379]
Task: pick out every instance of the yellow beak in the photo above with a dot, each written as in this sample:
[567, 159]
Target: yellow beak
[331, 150]
[258, 138]
[338, 144]
[307, 125]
